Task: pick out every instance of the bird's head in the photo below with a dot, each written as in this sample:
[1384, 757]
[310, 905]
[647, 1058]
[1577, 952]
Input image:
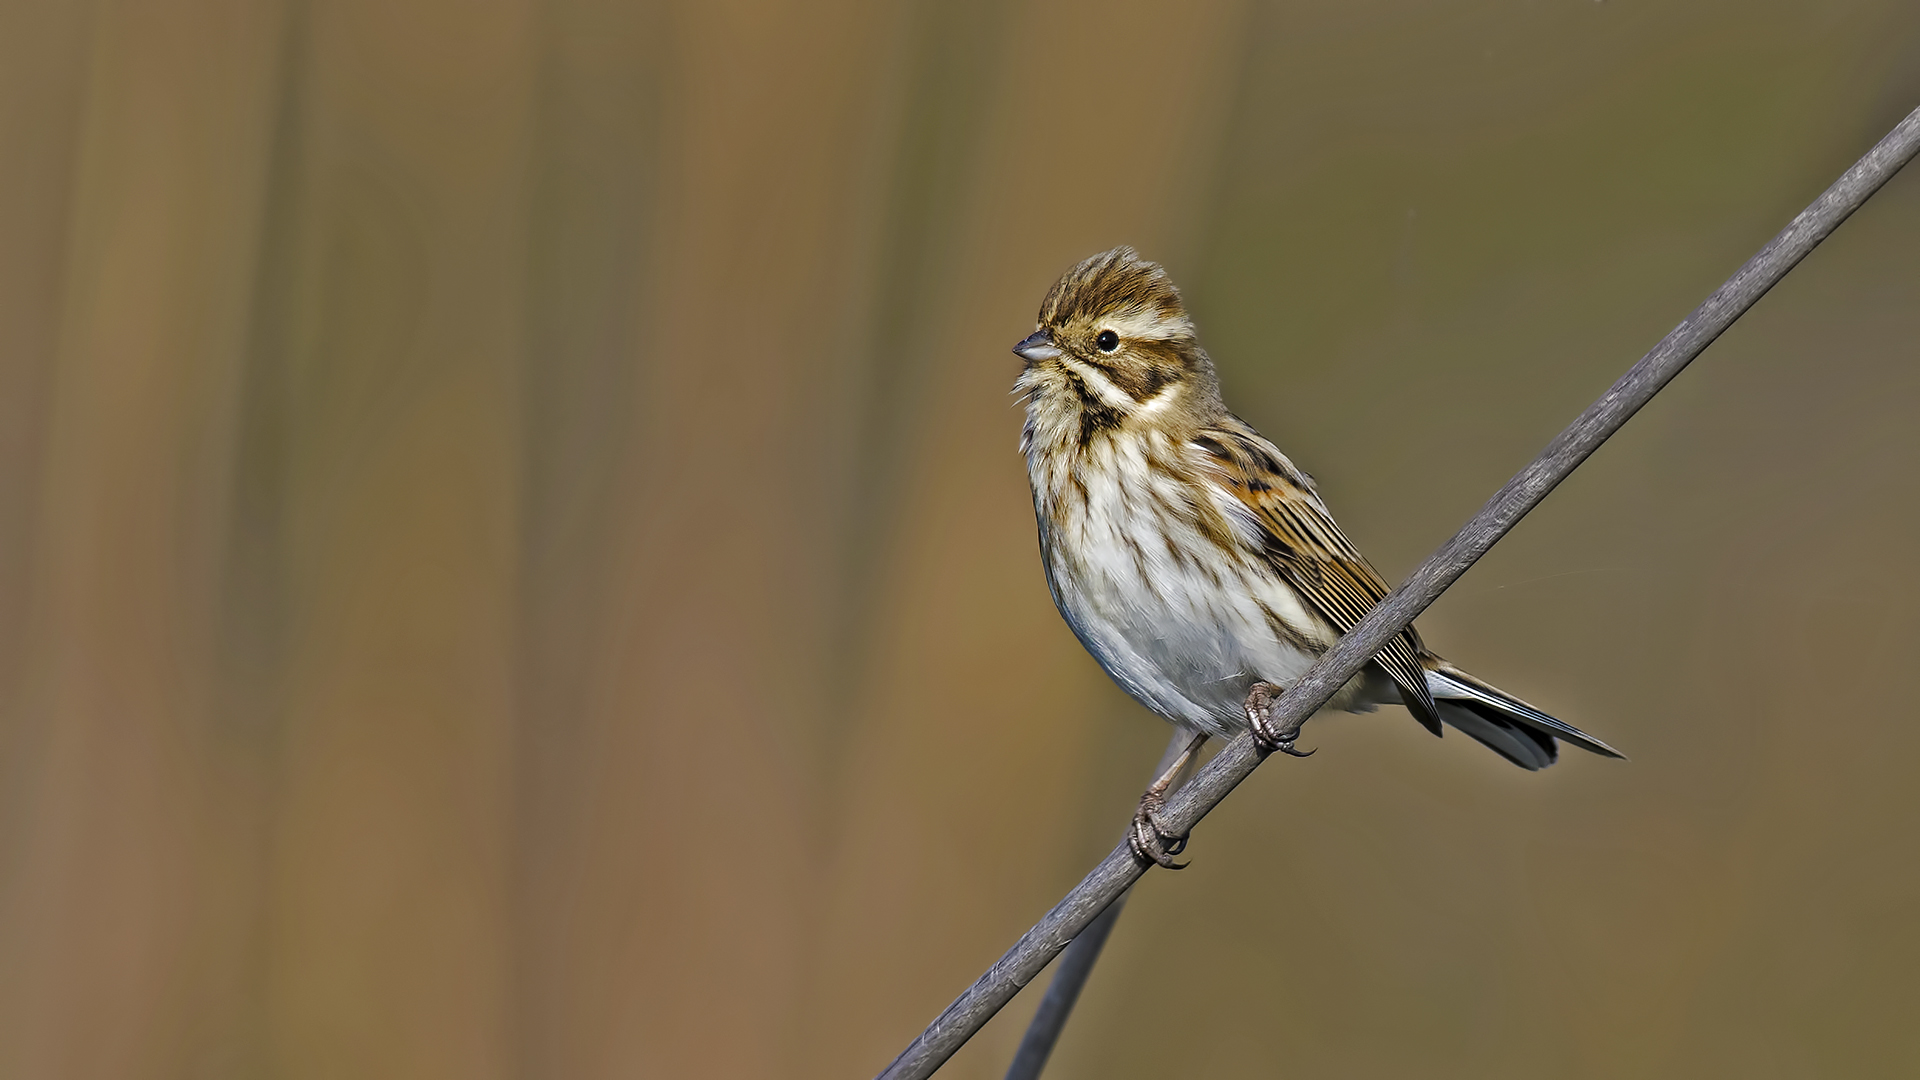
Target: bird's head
[1114, 347]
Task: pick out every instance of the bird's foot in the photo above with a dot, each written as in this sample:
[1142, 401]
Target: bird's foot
[1149, 839]
[1260, 702]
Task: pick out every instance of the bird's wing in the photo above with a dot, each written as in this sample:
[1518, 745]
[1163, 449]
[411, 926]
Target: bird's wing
[1302, 543]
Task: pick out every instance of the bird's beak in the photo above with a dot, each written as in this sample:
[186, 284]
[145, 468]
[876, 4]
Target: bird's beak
[1036, 347]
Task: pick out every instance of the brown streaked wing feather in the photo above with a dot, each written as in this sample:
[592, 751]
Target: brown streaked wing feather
[1310, 551]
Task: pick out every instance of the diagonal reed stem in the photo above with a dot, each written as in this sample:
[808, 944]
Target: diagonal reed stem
[1119, 870]
[1077, 962]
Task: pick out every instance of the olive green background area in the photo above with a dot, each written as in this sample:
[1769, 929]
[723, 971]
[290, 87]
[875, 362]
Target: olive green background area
[513, 560]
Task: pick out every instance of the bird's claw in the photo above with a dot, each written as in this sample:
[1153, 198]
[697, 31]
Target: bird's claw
[1260, 702]
[1150, 841]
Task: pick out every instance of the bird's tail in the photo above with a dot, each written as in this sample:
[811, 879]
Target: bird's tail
[1503, 723]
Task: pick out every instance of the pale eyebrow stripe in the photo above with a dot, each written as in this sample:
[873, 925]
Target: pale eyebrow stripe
[1146, 324]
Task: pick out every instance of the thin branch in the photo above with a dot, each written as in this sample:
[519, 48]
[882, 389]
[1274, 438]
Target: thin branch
[1077, 962]
[1120, 869]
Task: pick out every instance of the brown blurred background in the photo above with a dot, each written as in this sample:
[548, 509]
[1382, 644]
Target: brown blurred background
[513, 561]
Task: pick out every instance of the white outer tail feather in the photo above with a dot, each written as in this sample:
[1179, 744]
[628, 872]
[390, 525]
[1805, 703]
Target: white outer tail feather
[1504, 724]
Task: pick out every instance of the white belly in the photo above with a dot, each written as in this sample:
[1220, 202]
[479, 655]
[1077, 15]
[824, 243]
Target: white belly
[1186, 636]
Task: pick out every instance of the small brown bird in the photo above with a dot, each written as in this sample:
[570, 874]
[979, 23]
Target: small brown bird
[1193, 560]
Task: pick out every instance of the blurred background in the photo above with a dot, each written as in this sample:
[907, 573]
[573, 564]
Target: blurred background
[513, 560]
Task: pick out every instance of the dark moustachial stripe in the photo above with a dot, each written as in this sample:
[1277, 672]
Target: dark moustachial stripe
[1096, 416]
[1095, 420]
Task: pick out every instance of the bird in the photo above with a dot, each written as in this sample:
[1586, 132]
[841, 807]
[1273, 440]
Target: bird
[1195, 561]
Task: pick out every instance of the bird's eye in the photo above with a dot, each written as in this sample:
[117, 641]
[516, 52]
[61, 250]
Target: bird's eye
[1108, 341]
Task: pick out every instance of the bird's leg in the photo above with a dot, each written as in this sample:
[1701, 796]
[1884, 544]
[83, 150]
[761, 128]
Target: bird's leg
[1260, 702]
[1147, 837]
